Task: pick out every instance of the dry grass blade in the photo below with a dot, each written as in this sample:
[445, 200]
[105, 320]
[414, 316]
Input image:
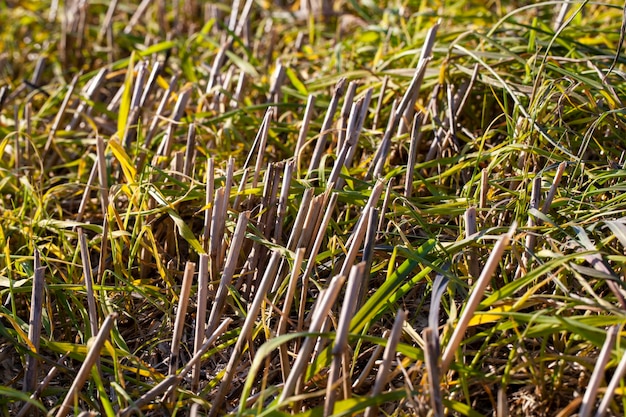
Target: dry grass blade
[351, 297]
[83, 373]
[474, 300]
[34, 322]
[589, 399]
[320, 314]
[388, 356]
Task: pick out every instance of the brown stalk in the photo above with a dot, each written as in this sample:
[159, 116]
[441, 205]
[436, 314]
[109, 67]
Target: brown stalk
[282, 201]
[363, 377]
[34, 322]
[152, 79]
[183, 301]
[553, 188]
[351, 297]
[381, 99]
[321, 233]
[130, 133]
[190, 150]
[83, 373]
[152, 129]
[25, 410]
[326, 125]
[284, 318]
[368, 253]
[60, 113]
[292, 384]
[17, 140]
[599, 369]
[208, 203]
[484, 188]
[406, 108]
[259, 145]
[388, 356]
[431, 359]
[298, 224]
[91, 299]
[106, 22]
[89, 90]
[610, 389]
[472, 253]
[201, 310]
[304, 129]
[229, 271]
[245, 334]
[531, 238]
[136, 17]
[278, 78]
[170, 382]
[371, 203]
[217, 224]
[354, 130]
[166, 145]
[344, 115]
[416, 137]
[475, 297]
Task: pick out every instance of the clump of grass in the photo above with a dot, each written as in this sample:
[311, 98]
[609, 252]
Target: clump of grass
[260, 209]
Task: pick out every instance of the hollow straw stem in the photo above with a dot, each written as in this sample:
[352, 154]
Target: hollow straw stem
[351, 298]
[610, 389]
[475, 298]
[34, 323]
[83, 373]
[589, 398]
[183, 301]
[244, 335]
[172, 380]
[304, 355]
[385, 367]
